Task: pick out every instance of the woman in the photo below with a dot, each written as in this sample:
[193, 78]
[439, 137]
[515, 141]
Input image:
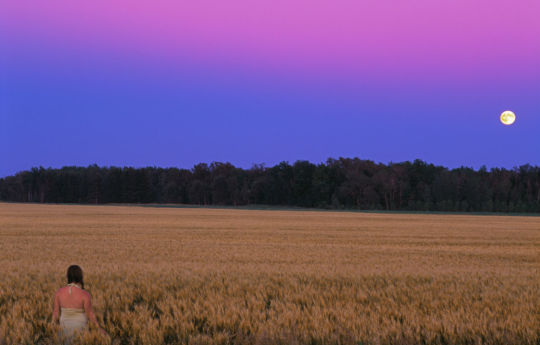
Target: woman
[74, 305]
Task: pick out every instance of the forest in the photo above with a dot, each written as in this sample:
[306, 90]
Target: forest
[344, 183]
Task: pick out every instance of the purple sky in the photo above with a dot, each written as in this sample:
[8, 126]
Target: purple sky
[174, 83]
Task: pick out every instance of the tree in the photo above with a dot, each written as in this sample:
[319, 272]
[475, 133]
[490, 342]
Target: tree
[337, 183]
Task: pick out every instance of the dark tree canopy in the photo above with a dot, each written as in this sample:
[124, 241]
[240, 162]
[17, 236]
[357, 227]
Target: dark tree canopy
[344, 183]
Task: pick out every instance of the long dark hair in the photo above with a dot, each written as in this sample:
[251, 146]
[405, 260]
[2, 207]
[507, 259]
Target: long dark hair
[75, 275]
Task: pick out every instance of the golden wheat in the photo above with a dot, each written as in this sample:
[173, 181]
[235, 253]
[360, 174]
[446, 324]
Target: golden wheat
[210, 276]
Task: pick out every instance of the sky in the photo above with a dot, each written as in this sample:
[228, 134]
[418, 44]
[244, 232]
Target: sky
[175, 83]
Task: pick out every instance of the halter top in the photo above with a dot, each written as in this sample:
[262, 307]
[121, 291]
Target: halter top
[72, 285]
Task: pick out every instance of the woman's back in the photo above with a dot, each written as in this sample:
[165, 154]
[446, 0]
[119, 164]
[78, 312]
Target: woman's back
[72, 300]
[73, 305]
[72, 296]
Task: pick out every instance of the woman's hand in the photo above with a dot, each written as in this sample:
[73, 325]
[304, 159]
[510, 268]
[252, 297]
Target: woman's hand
[104, 333]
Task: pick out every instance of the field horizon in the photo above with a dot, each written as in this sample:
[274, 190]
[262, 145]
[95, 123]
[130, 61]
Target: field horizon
[266, 207]
[190, 275]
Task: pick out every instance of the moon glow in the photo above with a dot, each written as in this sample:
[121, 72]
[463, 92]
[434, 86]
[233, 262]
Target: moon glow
[508, 117]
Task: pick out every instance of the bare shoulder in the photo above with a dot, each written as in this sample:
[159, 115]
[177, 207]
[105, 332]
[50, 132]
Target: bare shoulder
[86, 294]
[60, 291]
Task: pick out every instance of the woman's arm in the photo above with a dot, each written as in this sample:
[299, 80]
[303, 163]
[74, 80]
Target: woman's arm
[56, 309]
[90, 312]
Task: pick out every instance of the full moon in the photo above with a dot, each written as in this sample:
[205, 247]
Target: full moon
[508, 117]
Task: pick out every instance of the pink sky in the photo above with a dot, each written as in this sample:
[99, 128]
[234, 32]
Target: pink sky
[390, 38]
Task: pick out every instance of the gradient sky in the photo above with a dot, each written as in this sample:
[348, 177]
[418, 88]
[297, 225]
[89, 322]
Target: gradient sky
[174, 83]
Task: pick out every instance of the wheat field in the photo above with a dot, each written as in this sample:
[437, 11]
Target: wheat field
[223, 276]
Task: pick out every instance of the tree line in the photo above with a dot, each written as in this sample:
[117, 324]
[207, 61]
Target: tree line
[344, 183]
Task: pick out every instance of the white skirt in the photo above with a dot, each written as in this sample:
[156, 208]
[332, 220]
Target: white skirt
[72, 320]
